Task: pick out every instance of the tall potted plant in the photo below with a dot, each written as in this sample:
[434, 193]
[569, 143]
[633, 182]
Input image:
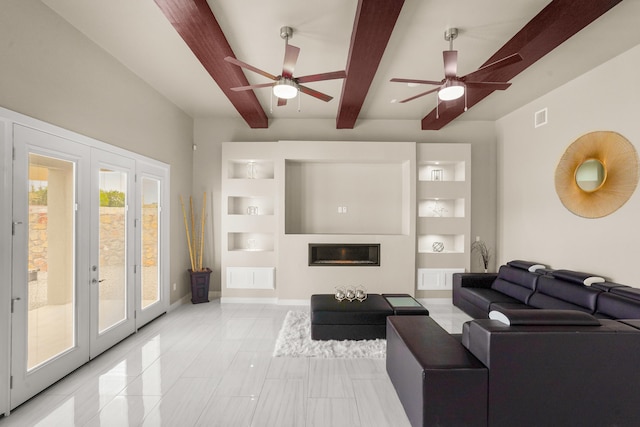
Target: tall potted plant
[195, 240]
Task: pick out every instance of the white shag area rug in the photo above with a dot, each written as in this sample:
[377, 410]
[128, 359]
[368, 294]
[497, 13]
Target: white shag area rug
[295, 340]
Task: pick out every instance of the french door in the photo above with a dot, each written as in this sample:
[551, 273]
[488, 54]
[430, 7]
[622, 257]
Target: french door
[50, 278]
[112, 248]
[86, 255]
[151, 296]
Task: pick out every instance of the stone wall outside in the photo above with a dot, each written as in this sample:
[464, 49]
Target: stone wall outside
[111, 230]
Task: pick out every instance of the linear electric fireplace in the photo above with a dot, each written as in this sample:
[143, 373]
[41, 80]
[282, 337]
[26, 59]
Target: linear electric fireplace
[344, 254]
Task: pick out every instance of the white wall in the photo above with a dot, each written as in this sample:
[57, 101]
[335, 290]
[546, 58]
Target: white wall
[52, 72]
[209, 133]
[533, 223]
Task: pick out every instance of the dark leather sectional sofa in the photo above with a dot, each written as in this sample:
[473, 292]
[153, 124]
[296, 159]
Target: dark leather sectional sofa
[527, 285]
[554, 352]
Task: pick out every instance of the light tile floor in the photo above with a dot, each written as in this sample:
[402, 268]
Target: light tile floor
[211, 365]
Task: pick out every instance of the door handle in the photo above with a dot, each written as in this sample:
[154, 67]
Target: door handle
[13, 226]
[96, 281]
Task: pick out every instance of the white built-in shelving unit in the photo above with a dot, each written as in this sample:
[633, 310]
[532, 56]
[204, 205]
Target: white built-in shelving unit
[248, 216]
[443, 208]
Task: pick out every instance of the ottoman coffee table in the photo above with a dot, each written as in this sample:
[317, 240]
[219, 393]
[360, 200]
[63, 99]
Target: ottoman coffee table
[354, 320]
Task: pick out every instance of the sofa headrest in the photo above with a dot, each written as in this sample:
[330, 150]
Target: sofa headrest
[544, 317]
[577, 277]
[526, 265]
[627, 291]
[607, 286]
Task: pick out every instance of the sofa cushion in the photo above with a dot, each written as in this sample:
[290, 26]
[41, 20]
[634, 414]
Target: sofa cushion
[552, 293]
[499, 306]
[483, 298]
[634, 323]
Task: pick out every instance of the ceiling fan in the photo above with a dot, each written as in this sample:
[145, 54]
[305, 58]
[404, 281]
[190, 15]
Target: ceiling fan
[453, 87]
[286, 86]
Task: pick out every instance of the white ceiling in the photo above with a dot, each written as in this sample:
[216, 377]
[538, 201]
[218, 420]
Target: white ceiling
[138, 35]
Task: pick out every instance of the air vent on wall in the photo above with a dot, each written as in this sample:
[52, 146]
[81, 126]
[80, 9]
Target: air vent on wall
[540, 118]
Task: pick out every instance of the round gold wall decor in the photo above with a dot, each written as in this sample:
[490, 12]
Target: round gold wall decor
[615, 181]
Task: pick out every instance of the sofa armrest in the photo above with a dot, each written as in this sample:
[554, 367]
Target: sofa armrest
[473, 280]
[470, 280]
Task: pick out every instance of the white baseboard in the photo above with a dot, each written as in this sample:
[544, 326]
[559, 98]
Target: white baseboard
[184, 300]
[241, 300]
[187, 300]
[275, 301]
[294, 301]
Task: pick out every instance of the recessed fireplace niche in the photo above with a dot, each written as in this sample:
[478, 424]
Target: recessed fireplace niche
[344, 254]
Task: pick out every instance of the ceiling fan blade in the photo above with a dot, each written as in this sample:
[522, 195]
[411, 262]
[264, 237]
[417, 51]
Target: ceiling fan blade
[282, 102]
[241, 88]
[315, 93]
[420, 95]
[507, 60]
[487, 85]
[450, 62]
[290, 58]
[239, 63]
[421, 82]
[322, 76]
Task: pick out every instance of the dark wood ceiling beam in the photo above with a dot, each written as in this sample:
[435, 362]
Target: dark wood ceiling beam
[372, 29]
[555, 24]
[198, 27]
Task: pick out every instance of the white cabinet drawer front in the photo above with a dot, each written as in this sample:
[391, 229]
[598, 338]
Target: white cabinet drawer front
[250, 277]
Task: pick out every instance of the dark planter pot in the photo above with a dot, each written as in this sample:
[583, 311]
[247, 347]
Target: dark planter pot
[200, 285]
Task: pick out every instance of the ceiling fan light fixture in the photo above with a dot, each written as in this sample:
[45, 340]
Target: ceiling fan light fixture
[451, 90]
[285, 88]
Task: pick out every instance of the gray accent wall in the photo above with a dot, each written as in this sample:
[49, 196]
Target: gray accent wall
[52, 72]
[533, 223]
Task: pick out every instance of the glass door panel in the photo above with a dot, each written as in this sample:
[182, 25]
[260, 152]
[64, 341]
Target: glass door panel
[51, 254]
[152, 289]
[150, 242]
[49, 287]
[112, 248]
[112, 282]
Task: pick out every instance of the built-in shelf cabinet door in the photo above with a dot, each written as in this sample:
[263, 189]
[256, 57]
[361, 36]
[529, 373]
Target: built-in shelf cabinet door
[432, 279]
[250, 277]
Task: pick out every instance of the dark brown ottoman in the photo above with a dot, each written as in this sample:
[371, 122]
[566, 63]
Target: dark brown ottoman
[343, 320]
